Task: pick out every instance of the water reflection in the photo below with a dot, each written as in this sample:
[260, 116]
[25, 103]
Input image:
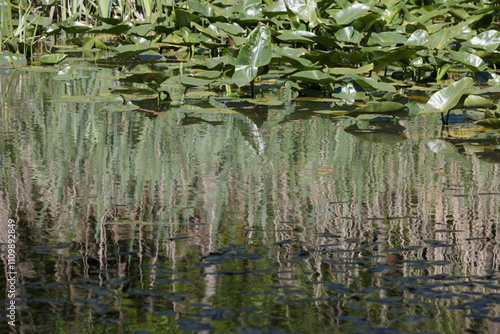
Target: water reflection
[244, 222]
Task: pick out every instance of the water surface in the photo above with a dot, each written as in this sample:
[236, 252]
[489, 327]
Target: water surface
[253, 220]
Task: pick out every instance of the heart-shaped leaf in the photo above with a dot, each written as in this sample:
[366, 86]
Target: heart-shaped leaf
[257, 52]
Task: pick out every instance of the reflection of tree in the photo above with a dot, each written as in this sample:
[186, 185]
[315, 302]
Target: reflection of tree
[109, 182]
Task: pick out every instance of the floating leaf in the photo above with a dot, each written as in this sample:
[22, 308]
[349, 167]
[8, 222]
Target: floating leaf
[493, 123]
[348, 70]
[385, 107]
[448, 97]
[371, 83]
[16, 59]
[474, 101]
[314, 76]
[75, 27]
[151, 56]
[52, 59]
[157, 77]
[127, 51]
[89, 42]
[349, 94]
[191, 81]
[112, 29]
[257, 52]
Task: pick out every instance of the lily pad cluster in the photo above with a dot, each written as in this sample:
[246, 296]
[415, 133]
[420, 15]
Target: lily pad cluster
[348, 50]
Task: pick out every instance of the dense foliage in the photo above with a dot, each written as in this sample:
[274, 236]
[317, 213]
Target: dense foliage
[334, 48]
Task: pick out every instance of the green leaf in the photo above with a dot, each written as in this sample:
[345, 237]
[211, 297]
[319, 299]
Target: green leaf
[191, 81]
[441, 39]
[386, 39]
[448, 97]
[419, 38]
[488, 40]
[297, 36]
[349, 94]
[301, 64]
[89, 42]
[371, 83]
[493, 123]
[461, 31]
[348, 34]
[473, 62]
[400, 54]
[74, 27]
[16, 59]
[231, 28]
[127, 51]
[475, 101]
[52, 59]
[314, 76]
[112, 29]
[349, 71]
[257, 52]
[349, 14]
[157, 77]
[386, 107]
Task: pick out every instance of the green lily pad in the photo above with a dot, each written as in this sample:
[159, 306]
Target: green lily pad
[475, 101]
[127, 51]
[349, 71]
[371, 83]
[16, 59]
[385, 107]
[314, 76]
[493, 123]
[52, 59]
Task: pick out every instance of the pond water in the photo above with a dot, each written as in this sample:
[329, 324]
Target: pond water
[249, 219]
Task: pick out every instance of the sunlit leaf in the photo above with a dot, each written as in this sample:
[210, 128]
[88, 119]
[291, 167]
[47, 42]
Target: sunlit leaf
[257, 52]
[419, 38]
[488, 40]
[448, 97]
[348, 71]
[473, 62]
[349, 35]
[388, 38]
[16, 59]
[351, 13]
[475, 101]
